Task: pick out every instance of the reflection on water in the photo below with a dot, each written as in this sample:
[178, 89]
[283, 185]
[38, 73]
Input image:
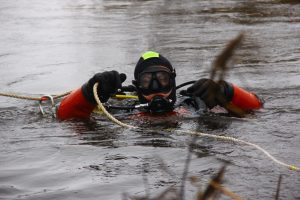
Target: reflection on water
[52, 47]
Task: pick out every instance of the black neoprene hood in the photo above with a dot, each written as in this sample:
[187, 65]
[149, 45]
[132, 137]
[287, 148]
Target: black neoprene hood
[151, 58]
[148, 59]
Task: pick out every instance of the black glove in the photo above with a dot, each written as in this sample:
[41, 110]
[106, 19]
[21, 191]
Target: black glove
[109, 83]
[212, 93]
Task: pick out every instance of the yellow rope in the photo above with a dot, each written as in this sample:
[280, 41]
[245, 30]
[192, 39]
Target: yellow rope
[231, 139]
[20, 96]
[59, 96]
[109, 116]
[32, 98]
[224, 138]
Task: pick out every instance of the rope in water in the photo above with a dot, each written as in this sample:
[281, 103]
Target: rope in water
[32, 98]
[40, 99]
[219, 137]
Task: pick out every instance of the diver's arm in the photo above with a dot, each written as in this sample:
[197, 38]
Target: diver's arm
[81, 102]
[244, 99]
[75, 105]
[225, 94]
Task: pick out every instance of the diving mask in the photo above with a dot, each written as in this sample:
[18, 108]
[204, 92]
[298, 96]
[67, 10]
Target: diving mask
[155, 79]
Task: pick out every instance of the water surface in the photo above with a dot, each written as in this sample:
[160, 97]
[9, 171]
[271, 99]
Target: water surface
[55, 46]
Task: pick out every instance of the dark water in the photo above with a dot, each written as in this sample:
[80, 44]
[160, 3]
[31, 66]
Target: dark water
[49, 47]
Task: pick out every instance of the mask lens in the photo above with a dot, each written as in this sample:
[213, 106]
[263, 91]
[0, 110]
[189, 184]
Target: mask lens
[145, 80]
[163, 78]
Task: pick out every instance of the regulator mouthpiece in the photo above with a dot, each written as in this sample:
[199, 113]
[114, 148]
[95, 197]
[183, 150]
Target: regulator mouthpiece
[160, 105]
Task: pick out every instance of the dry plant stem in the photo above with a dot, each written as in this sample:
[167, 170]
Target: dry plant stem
[145, 180]
[220, 67]
[225, 191]
[163, 166]
[211, 191]
[169, 191]
[186, 167]
[221, 60]
[278, 187]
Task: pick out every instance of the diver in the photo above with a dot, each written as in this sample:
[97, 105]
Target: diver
[155, 85]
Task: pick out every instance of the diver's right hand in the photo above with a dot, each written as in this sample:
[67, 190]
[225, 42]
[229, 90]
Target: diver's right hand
[109, 83]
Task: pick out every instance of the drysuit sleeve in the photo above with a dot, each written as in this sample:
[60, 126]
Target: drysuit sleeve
[75, 105]
[244, 99]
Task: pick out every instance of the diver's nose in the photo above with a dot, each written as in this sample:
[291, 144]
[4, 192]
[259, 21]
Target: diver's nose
[155, 85]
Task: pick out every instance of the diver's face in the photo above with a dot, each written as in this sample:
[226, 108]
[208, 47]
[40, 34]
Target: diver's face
[155, 86]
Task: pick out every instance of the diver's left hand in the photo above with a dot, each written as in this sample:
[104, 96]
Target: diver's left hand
[210, 92]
